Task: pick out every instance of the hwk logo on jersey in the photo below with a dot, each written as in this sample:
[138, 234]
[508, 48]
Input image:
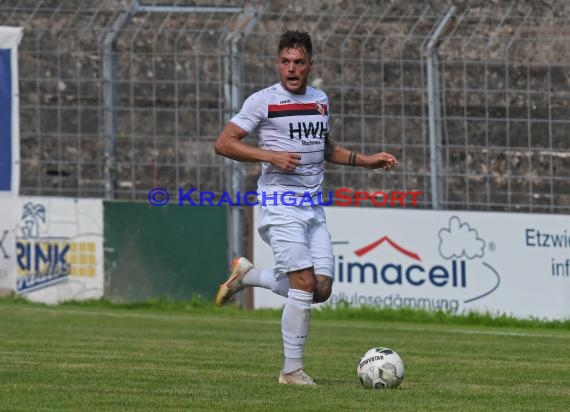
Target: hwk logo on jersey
[300, 130]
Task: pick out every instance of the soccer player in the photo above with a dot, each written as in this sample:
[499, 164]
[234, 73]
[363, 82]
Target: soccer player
[292, 121]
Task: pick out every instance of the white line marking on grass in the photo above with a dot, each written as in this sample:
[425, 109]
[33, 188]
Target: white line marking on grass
[485, 332]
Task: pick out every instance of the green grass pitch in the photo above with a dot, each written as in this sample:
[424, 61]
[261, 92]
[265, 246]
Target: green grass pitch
[104, 357]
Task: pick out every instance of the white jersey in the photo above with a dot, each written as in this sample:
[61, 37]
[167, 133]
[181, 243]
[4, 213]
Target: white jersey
[291, 123]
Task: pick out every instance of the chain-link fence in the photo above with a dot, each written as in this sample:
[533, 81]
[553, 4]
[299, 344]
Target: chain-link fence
[506, 88]
[118, 97]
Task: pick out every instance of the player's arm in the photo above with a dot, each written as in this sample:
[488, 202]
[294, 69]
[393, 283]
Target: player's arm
[335, 153]
[229, 144]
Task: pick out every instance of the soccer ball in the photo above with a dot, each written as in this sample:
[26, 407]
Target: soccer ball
[380, 368]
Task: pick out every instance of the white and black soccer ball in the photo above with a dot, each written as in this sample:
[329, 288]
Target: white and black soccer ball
[380, 368]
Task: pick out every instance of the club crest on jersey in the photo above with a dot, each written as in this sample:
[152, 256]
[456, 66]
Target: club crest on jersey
[320, 108]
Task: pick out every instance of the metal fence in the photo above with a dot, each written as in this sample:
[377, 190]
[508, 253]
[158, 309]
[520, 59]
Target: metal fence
[118, 97]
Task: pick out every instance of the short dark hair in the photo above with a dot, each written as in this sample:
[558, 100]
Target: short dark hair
[296, 39]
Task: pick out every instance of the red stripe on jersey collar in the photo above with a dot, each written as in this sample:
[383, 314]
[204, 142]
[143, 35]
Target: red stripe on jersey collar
[294, 106]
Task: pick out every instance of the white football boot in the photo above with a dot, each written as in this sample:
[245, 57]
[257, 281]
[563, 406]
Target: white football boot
[299, 377]
[234, 284]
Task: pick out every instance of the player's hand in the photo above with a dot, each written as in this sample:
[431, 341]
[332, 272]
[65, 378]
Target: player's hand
[382, 160]
[286, 161]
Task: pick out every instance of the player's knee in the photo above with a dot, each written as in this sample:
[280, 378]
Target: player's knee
[323, 289]
[321, 295]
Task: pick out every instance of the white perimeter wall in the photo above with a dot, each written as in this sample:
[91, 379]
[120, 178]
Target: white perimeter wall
[51, 249]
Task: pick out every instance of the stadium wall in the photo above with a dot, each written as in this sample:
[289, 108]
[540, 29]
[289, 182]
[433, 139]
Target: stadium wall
[51, 248]
[167, 251]
[59, 249]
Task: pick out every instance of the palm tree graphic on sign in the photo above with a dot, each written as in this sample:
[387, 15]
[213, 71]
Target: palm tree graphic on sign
[32, 215]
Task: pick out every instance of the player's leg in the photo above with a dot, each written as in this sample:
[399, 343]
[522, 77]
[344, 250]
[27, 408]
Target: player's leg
[295, 324]
[293, 260]
[247, 275]
[323, 258]
[243, 273]
[269, 217]
[265, 278]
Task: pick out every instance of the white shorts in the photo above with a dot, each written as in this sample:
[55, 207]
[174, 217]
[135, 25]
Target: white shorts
[298, 237]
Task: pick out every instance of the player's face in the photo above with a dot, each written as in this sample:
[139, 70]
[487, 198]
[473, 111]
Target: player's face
[294, 66]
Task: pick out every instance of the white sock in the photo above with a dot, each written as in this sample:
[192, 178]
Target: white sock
[295, 323]
[265, 278]
[292, 364]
